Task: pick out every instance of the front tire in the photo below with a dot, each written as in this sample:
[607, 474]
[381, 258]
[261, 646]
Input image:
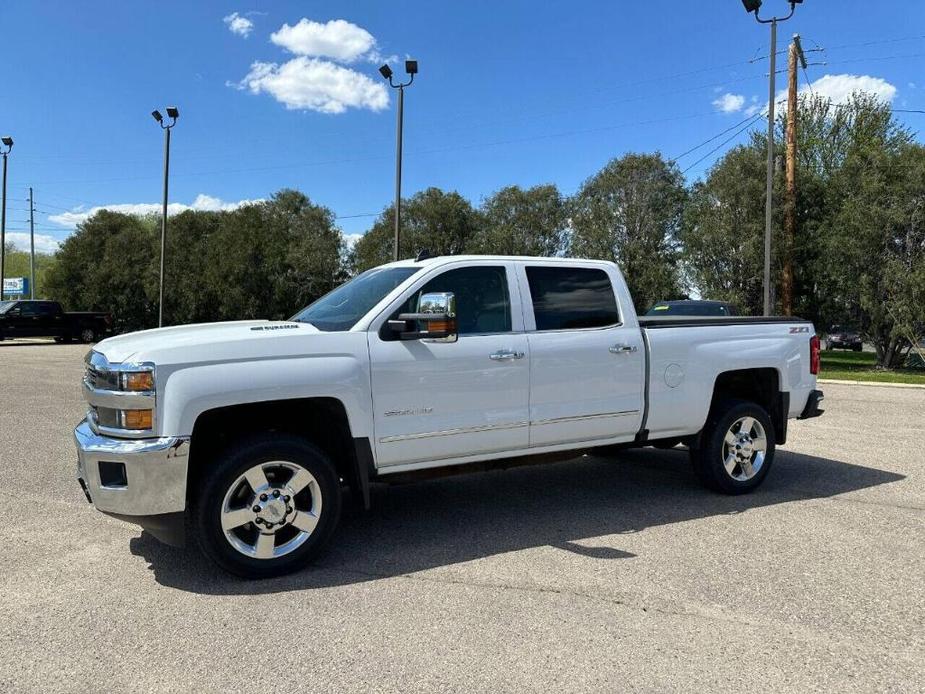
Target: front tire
[736, 447]
[267, 506]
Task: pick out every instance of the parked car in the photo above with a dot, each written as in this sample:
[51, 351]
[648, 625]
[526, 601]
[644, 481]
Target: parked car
[693, 307]
[246, 430]
[48, 319]
[840, 337]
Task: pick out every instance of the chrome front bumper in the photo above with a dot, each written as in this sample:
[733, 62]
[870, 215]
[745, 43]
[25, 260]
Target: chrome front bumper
[154, 479]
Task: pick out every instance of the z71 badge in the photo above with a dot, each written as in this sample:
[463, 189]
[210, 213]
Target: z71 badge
[799, 329]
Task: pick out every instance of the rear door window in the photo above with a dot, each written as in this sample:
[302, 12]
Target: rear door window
[570, 298]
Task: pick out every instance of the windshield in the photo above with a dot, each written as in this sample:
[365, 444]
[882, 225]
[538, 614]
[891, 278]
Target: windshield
[6, 306]
[341, 308]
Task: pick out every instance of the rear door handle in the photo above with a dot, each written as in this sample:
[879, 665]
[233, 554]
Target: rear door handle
[622, 349]
[505, 354]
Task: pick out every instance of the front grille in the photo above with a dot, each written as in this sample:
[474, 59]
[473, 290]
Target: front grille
[102, 380]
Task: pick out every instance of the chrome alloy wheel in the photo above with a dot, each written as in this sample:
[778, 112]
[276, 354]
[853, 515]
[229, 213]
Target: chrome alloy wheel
[271, 510]
[744, 448]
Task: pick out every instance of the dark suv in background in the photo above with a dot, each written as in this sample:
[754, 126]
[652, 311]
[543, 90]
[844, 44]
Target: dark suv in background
[840, 337]
[692, 307]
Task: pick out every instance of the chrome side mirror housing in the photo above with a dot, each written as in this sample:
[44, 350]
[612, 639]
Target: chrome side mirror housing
[437, 311]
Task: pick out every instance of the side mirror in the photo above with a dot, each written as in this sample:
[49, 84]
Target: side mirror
[437, 311]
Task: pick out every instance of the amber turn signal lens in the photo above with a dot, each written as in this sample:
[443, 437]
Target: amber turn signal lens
[138, 419]
[140, 380]
[448, 326]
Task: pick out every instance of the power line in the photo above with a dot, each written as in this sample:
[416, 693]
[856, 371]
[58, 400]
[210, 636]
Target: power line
[751, 120]
[357, 216]
[438, 150]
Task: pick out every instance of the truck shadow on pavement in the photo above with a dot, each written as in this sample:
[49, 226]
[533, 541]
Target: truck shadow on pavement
[424, 525]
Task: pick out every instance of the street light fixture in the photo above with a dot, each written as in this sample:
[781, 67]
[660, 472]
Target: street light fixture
[411, 68]
[7, 146]
[173, 113]
[752, 7]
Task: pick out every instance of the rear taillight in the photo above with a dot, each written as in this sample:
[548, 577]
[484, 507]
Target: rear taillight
[814, 354]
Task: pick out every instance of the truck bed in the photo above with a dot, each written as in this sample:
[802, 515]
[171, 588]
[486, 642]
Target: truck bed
[684, 354]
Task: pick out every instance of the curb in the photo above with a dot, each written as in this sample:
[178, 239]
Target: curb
[842, 382]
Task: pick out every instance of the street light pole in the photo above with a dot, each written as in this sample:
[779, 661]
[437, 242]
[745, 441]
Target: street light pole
[399, 128]
[769, 183]
[7, 146]
[173, 113]
[753, 6]
[31, 245]
[411, 68]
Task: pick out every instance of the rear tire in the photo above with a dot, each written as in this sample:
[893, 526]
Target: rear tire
[267, 506]
[736, 447]
[88, 335]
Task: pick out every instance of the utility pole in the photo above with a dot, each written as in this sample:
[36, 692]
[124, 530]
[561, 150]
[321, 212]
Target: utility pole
[31, 246]
[790, 204]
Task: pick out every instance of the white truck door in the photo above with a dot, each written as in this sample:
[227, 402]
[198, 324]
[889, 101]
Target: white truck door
[437, 401]
[587, 357]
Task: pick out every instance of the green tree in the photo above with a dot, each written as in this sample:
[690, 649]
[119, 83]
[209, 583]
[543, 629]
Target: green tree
[630, 212]
[876, 244]
[109, 264]
[264, 260]
[440, 222]
[523, 222]
[723, 230]
[858, 247]
[268, 260]
[17, 265]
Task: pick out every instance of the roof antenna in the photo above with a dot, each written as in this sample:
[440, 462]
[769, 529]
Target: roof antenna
[423, 254]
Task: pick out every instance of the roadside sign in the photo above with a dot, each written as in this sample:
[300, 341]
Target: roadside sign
[16, 285]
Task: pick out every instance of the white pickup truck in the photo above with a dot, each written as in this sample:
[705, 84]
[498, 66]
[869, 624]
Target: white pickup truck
[246, 432]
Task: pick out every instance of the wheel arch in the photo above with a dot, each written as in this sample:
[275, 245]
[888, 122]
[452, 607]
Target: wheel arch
[759, 385]
[321, 420]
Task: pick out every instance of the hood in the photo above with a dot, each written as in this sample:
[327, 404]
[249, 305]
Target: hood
[199, 341]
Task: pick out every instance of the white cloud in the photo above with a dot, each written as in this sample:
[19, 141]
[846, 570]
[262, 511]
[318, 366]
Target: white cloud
[305, 83]
[338, 39]
[239, 25]
[839, 88]
[729, 103]
[351, 240]
[43, 242]
[204, 203]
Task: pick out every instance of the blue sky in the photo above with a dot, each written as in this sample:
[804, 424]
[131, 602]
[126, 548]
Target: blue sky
[287, 94]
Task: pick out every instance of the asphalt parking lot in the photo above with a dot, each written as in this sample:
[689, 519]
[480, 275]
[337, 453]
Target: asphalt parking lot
[592, 575]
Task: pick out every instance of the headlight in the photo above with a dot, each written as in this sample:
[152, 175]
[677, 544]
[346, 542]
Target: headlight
[121, 396]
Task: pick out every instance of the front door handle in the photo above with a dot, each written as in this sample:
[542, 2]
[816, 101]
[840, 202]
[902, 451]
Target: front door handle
[622, 349]
[505, 354]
